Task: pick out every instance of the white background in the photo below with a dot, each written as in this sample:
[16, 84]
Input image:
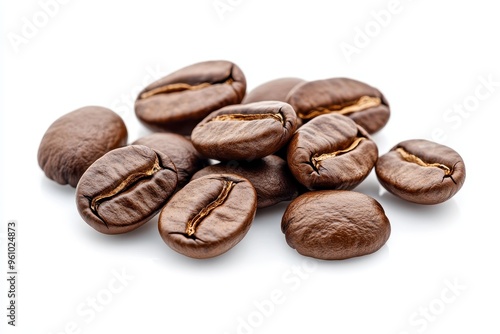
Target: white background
[427, 58]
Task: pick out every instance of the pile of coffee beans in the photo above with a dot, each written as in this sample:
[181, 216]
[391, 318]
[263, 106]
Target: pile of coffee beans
[219, 154]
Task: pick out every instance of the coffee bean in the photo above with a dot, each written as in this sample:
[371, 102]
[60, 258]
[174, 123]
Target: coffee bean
[180, 150]
[362, 103]
[421, 171]
[331, 152]
[270, 177]
[335, 224]
[209, 216]
[180, 100]
[274, 90]
[74, 141]
[245, 132]
[125, 188]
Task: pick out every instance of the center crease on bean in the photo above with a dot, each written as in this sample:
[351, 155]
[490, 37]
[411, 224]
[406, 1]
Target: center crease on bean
[125, 184]
[196, 220]
[363, 103]
[316, 159]
[414, 159]
[248, 117]
[179, 87]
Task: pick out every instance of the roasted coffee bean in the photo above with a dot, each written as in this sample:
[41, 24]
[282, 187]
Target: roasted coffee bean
[125, 188]
[274, 90]
[335, 224]
[270, 177]
[331, 152]
[177, 102]
[245, 131]
[421, 171]
[180, 150]
[364, 104]
[209, 216]
[74, 141]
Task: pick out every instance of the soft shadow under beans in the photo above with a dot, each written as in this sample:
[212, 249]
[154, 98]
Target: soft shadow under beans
[134, 238]
[346, 264]
[150, 247]
[370, 186]
[52, 187]
[444, 213]
[270, 213]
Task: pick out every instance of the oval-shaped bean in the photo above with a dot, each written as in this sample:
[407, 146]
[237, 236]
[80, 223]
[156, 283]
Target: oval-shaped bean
[364, 104]
[177, 102]
[421, 171]
[125, 188]
[335, 224]
[245, 131]
[74, 141]
[209, 216]
[331, 152]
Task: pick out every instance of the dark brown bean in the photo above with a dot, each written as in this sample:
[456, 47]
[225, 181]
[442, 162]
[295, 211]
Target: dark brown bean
[74, 141]
[335, 224]
[180, 150]
[209, 216]
[270, 177]
[421, 171]
[364, 104]
[245, 132]
[274, 90]
[125, 188]
[331, 152]
[177, 102]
